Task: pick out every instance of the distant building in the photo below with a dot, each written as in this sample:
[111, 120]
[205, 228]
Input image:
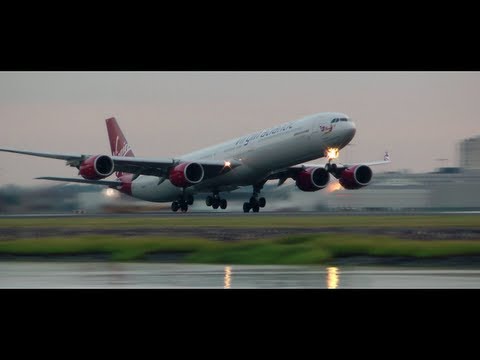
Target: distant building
[470, 153]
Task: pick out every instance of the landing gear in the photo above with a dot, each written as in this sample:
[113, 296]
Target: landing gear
[262, 202]
[255, 203]
[333, 169]
[175, 206]
[182, 203]
[216, 202]
[223, 204]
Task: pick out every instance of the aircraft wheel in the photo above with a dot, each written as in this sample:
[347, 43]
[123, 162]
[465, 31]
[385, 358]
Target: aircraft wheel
[190, 200]
[253, 201]
[256, 209]
[184, 207]
[175, 206]
[262, 202]
[209, 200]
[216, 204]
[223, 204]
[246, 207]
[333, 168]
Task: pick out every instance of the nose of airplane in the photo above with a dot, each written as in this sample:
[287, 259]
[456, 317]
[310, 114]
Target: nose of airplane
[352, 128]
[349, 131]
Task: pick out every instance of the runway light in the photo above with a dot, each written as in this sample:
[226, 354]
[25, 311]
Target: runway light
[332, 153]
[333, 278]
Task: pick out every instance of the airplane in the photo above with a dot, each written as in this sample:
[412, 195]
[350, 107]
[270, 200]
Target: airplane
[277, 153]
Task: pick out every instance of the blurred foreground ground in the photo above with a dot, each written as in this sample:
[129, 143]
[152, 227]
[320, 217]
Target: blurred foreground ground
[174, 276]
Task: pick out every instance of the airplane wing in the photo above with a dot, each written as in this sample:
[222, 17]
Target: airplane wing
[386, 160]
[49, 155]
[292, 172]
[160, 167]
[373, 163]
[135, 165]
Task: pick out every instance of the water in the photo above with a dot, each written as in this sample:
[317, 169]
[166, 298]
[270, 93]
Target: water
[15, 274]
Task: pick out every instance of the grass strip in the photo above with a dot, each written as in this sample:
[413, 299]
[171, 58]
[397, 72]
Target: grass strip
[303, 249]
[250, 220]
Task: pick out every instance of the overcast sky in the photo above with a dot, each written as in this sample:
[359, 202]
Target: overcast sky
[419, 117]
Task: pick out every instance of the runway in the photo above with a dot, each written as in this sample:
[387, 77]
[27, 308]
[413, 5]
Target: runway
[41, 275]
[226, 214]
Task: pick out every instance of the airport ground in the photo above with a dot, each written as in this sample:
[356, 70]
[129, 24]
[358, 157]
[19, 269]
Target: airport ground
[237, 238]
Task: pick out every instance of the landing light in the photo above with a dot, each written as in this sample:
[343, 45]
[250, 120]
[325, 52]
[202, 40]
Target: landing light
[109, 192]
[332, 153]
[228, 163]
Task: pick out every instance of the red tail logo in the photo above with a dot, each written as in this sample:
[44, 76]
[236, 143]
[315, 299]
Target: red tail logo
[118, 143]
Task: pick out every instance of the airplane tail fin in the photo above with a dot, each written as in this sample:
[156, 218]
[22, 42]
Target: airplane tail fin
[118, 142]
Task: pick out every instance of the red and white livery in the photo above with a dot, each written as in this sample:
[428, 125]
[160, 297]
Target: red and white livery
[277, 153]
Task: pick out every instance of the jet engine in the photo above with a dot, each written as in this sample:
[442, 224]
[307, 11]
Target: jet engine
[312, 179]
[356, 177]
[96, 167]
[186, 174]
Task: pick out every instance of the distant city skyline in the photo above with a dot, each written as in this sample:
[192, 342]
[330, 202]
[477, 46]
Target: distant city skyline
[418, 117]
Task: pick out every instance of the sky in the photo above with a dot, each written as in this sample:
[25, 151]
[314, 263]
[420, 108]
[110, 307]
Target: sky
[419, 117]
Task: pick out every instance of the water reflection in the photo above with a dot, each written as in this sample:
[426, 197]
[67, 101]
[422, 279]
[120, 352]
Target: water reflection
[333, 278]
[227, 277]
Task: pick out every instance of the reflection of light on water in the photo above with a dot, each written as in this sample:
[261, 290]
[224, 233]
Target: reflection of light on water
[333, 278]
[227, 278]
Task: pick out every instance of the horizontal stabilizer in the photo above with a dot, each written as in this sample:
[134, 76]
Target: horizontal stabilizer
[110, 183]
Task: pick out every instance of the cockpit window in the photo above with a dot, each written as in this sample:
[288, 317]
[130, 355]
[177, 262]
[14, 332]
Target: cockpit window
[338, 119]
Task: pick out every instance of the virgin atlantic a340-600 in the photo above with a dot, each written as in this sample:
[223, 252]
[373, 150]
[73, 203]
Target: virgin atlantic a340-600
[277, 153]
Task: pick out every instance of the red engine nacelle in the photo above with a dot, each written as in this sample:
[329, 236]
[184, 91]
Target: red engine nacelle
[97, 167]
[186, 174]
[312, 179]
[356, 177]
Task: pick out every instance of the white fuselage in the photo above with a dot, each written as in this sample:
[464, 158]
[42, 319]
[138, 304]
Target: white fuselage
[260, 154]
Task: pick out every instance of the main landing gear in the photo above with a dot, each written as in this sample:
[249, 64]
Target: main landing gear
[255, 203]
[215, 201]
[182, 202]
